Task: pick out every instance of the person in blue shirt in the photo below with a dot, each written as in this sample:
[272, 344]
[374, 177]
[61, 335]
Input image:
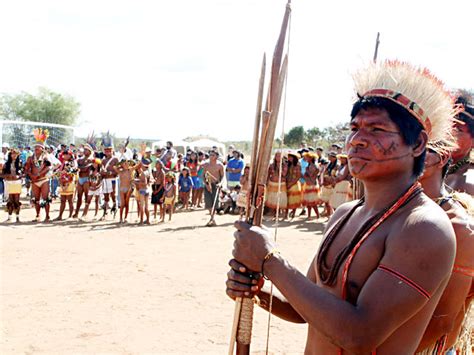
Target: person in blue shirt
[234, 169]
[304, 164]
[185, 184]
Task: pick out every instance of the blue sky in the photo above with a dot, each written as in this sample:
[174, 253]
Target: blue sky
[171, 69]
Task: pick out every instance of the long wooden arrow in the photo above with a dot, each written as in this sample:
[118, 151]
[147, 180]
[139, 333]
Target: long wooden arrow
[263, 138]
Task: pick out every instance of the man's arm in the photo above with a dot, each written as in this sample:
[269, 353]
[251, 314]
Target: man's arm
[456, 292]
[422, 250]
[239, 282]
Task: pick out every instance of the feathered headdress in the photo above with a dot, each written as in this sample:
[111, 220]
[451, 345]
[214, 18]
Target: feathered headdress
[417, 90]
[90, 143]
[41, 135]
[107, 141]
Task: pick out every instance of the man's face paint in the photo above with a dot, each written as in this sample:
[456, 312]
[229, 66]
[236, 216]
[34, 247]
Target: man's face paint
[463, 140]
[375, 146]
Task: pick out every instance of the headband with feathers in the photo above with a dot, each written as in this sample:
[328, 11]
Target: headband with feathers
[417, 90]
[90, 143]
[41, 135]
[107, 141]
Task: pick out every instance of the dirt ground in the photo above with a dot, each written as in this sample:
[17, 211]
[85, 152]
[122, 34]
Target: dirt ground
[98, 287]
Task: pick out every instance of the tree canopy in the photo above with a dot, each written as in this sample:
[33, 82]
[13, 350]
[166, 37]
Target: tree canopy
[46, 106]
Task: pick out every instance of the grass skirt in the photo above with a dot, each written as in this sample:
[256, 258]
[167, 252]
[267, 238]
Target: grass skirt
[310, 195]
[272, 195]
[326, 193]
[340, 195]
[295, 196]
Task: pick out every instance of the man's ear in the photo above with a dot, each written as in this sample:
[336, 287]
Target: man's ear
[420, 144]
[444, 159]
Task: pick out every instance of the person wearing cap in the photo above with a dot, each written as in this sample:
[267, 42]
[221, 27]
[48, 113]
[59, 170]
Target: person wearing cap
[342, 183]
[385, 260]
[337, 148]
[293, 185]
[311, 187]
[234, 169]
[83, 166]
[461, 174]
[11, 172]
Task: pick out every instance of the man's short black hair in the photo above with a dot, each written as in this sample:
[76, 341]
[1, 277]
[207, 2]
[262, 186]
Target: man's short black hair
[408, 125]
[468, 114]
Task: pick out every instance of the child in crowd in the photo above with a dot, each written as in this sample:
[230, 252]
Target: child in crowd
[199, 186]
[185, 184]
[169, 196]
[95, 187]
[142, 181]
[193, 166]
[157, 188]
[67, 182]
[124, 171]
[226, 202]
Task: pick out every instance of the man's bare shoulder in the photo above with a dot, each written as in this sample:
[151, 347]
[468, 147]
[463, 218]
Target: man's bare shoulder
[340, 212]
[423, 231]
[463, 224]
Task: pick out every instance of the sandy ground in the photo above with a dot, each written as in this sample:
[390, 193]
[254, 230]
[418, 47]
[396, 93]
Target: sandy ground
[97, 287]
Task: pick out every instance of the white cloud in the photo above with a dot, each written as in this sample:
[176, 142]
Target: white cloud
[178, 68]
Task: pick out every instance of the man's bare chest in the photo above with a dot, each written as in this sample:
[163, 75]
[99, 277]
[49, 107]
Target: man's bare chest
[364, 262]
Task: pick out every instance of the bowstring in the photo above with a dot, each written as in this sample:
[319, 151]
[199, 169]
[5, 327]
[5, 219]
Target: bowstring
[280, 173]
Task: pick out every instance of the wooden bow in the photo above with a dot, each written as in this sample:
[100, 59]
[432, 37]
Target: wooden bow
[264, 135]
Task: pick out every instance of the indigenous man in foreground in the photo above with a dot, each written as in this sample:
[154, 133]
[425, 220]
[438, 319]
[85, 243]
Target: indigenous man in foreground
[449, 314]
[461, 174]
[213, 175]
[386, 259]
[37, 168]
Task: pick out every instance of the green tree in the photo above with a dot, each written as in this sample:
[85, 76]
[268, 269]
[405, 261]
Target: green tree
[46, 106]
[295, 136]
[313, 135]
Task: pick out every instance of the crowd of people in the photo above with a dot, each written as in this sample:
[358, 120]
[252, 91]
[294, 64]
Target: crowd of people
[86, 178]
[308, 179]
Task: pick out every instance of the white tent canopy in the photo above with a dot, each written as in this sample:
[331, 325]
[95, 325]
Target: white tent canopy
[179, 145]
[207, 144]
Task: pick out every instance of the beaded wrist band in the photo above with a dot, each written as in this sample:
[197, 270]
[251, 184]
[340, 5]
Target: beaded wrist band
[267, 257]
